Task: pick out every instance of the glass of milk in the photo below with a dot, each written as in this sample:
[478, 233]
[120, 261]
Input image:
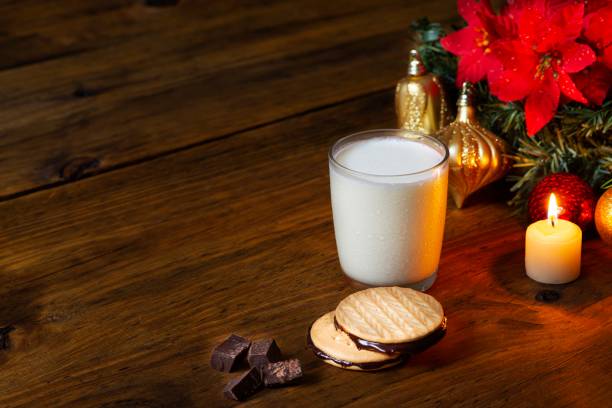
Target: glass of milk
[388, 193]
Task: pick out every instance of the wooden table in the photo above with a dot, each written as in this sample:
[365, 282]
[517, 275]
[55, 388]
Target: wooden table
[164, 184]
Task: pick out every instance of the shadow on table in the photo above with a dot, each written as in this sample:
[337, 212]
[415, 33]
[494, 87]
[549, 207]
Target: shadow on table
[508, 271]
[458, 344]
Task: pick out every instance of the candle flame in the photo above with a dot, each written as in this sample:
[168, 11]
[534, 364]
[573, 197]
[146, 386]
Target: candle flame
[553, 210]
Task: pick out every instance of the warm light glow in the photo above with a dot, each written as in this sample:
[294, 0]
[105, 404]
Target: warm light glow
[553, 210]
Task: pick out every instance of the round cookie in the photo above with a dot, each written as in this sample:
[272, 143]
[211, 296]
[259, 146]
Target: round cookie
[336, 348]
[391, 319]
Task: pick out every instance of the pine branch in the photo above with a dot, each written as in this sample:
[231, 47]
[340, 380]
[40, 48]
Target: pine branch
[553, 153]
[436, 59]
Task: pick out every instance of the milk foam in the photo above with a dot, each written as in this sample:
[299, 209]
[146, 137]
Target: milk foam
[386, 156]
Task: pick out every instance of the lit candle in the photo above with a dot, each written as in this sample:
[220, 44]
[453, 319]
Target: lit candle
[552, 248]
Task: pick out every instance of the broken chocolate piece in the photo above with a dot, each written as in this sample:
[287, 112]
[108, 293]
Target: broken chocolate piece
[263, 352]
[228, 355]
[281, 373]
[244, 386]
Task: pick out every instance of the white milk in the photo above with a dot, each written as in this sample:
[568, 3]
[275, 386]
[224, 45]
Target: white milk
[389, 204]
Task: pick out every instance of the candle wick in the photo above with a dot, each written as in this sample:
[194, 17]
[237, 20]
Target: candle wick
[552, 220]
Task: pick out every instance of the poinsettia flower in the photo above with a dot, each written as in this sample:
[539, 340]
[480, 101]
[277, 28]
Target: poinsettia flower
[536, 66]
[473, 43]
[594, 82]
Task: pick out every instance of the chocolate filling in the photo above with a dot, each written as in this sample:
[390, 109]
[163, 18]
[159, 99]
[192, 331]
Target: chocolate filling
[364, 366]
[410, 347]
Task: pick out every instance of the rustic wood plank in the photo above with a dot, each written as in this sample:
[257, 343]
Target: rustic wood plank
[166, 80]
[34, 31]
[119, 286]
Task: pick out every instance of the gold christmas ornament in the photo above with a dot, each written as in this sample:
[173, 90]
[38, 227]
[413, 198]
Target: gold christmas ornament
[477, 156]
[603, 216]
[420, 103]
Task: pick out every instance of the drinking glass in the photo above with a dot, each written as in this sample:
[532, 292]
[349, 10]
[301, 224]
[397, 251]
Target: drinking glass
[389, 227]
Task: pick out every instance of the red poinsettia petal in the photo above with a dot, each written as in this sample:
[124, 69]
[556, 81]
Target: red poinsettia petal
[502, 26]
[597, 27]
[568, 21]
[512, 78]
[532, 27]
[472, 67]
[568, 88]
[607, 57]
[553, 5]
[594, 5]
[471, 10]
[594, 82]
[520, 5]
[541, 104]
[497, 25]
[510, 16]
[513, 8]
[461, 42]
[508, 86]
[575, 56]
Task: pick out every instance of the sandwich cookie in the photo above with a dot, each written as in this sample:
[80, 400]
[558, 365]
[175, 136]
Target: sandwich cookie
[391, 320]
[336, 348]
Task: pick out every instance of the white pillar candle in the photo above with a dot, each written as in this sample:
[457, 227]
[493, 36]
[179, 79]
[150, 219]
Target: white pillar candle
[552, 248]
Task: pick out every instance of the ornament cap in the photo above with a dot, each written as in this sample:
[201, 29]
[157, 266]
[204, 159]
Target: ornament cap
[465, 110]
[415, 64]
[465, 96]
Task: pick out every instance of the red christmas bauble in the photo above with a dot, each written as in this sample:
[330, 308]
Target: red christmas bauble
[575, 199]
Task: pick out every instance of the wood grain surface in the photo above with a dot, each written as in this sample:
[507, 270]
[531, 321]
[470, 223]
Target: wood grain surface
[174, 77]
[165, 184]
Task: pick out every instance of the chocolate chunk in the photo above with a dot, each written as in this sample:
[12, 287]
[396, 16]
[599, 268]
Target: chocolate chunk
[228, 355]
[244, 386]
[263, 352]
[282, 373]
